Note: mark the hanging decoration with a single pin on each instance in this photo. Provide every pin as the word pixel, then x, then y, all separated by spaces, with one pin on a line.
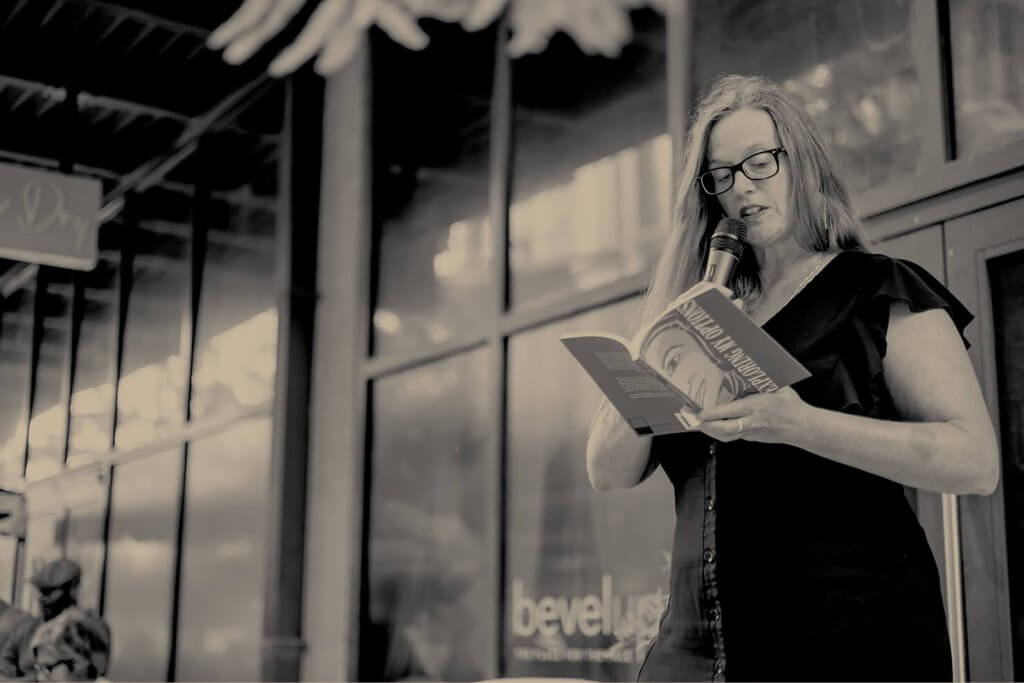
pixel 335 29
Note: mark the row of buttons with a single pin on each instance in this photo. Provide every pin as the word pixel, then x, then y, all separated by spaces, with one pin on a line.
pixel 715 613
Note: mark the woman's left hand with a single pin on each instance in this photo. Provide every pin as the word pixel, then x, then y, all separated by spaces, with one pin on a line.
pixel 770 418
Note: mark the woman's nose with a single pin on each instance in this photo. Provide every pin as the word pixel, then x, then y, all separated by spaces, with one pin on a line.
pixel 741 184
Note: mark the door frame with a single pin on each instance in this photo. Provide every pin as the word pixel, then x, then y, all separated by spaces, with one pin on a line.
pixel 971 241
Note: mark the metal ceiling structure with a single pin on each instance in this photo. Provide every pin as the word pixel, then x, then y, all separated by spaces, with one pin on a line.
pixel 122 92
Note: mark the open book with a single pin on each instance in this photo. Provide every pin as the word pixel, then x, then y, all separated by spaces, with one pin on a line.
pixel 701 352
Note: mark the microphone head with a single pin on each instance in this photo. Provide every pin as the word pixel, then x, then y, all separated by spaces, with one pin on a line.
pixel 730 235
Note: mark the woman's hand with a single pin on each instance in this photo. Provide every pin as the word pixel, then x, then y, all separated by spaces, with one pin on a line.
pixel 770 418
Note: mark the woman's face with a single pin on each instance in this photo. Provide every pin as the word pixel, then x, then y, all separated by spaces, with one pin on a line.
pixel 762 204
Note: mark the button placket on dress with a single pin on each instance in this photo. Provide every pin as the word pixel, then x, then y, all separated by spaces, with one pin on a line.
pixel 710 564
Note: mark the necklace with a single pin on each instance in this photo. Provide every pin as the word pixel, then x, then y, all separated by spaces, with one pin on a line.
pixel 822 262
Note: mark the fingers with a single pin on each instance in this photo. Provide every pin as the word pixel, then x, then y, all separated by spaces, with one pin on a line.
pixel 400 25
pixel 724 430
pixel 483 14
pixel 246 45
pixel 317 34
pixel 244 19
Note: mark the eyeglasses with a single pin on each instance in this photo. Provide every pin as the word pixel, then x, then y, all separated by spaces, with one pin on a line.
pixel 758 166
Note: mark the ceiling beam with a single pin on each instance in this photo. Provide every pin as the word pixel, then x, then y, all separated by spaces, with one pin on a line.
pixel 121 12
pixel 88 99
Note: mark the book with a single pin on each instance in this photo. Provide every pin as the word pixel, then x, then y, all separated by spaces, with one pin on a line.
pixel 701 352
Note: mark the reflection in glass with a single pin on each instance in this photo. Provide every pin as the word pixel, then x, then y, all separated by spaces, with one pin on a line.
pixel 852 64
pixel 432 526
pixel 604 554
pixel 236 329
pixel 84 494
pixel 8 557
pixel 92 401
pixel 15 362
pixel 151 388
pixel 1006 275
pixel 220 631
pixel 437 247
pixel 140 565
pixel 46 428
pixel 988 82
pixel 43 539
pixel 592 186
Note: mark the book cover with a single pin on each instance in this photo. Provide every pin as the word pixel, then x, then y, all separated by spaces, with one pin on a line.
pixel 701 352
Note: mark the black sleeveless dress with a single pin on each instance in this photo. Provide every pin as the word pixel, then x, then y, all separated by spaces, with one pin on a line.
pixel 787 565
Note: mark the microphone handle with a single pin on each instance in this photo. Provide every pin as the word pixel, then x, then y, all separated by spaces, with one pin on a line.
pixel 721 265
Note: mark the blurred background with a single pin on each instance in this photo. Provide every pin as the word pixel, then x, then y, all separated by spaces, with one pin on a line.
pixel 308 418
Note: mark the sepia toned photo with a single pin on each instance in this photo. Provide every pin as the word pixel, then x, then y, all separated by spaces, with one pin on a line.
pixel 482 340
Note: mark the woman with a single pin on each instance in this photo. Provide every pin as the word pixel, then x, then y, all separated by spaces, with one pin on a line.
pixel 796 554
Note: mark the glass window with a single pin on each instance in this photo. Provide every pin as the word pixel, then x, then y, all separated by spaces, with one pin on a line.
pixel 46 429
pixel 140 565
pixel 44 536
pixel 592 164
pixel 988 83
pixel 151 396
pixel 432 575
pixel 1006 273
pixel 8 564
pixel 852 65
pixel 430 183
pixel 223 556
pixel 92 401
pixel 84 493
pixel 15 361
pixel 586 583
pixel 236 329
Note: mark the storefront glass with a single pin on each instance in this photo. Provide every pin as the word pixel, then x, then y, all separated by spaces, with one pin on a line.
pixel 432 573
pixel 140 565
pixel 431 140
pixel 1006 275
pixel 92 400
pixel 46 428
pixel 854 65
pixel 587 570
pixel 15 366
pixel 8 552
pixel 85 496
pixel 592 164
pixel 151 389
pixel 223 554
pixel 988 82
pixel 236 328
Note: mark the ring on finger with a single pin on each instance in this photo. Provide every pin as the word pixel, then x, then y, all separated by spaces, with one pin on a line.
pixel 739 425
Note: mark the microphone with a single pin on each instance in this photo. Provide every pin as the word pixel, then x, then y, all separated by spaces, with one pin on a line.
pixel 727 247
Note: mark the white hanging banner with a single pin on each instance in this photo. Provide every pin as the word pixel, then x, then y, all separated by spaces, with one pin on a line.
pixel 48 217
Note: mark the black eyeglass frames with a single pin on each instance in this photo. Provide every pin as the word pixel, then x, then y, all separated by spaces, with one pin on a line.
pixel 758 166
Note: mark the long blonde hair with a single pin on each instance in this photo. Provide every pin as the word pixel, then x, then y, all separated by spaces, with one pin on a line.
pixel 823 217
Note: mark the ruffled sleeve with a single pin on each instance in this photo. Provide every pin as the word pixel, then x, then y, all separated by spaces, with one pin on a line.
pixel 857 383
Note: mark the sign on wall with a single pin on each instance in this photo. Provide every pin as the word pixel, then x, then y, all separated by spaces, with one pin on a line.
pixel 48 217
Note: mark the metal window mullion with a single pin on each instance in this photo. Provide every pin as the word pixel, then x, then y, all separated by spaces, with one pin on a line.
pixel 929 41
pixel 299 165
pixel 196 258
pixel 120 322
pixel 501 160
pixel 74 322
